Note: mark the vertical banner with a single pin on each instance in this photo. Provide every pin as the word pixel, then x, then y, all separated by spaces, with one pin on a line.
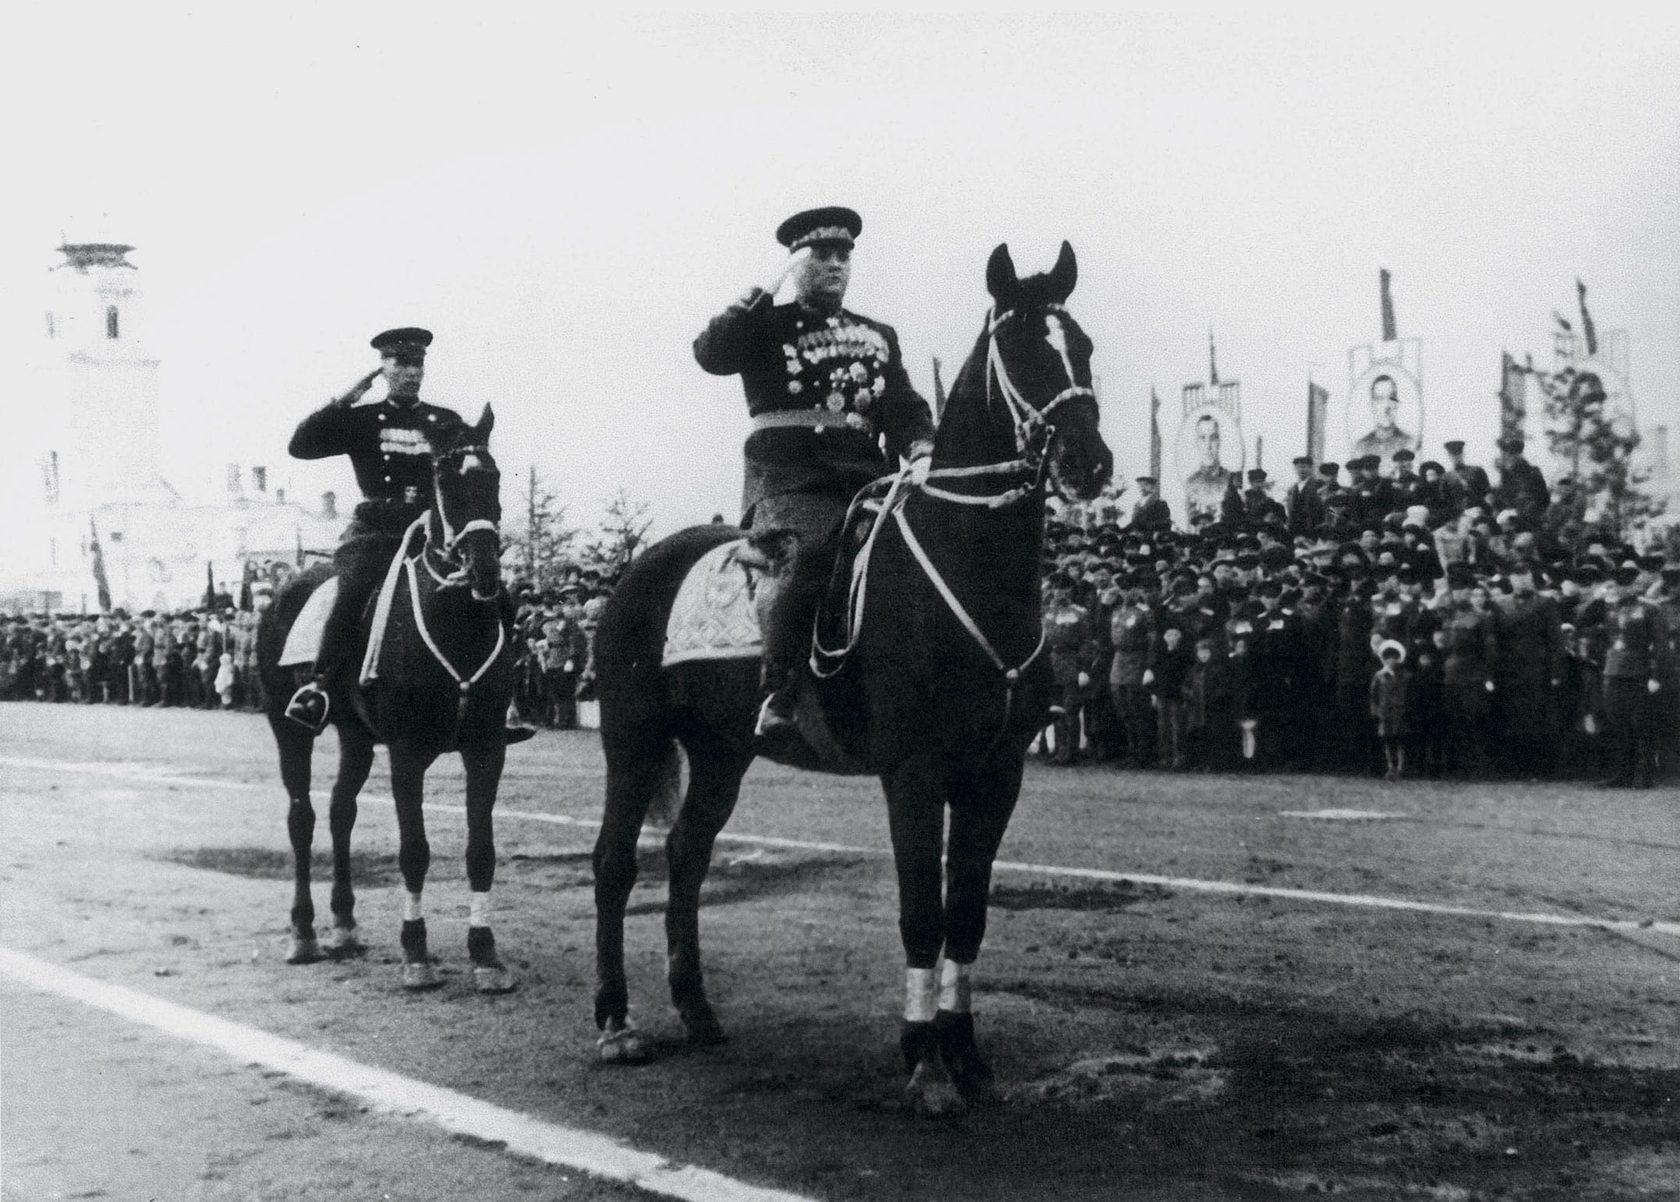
pixel 1388 326
pixel 1154 433
pixel 1513 397
pixel 1318 413
pixel 102 583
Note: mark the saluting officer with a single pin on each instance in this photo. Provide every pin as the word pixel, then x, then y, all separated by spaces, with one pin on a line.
pixel 825 387
pixel 389 445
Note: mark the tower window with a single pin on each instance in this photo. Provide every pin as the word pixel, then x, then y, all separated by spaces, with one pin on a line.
pixel 111 321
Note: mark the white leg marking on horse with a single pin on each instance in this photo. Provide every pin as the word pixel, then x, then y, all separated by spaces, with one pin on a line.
pixel 479 913
pixel 921 995
pixel 405 1098
pixel 954 992
pixel 411 907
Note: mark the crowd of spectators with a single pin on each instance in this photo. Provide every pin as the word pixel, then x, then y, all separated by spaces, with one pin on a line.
pixel 1446 622
pixel 202 659
pixel 1441 622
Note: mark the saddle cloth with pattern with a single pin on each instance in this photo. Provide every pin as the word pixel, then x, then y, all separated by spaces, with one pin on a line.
pixel 715 615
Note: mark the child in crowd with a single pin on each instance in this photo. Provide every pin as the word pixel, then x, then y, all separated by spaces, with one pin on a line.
pixel 1388 706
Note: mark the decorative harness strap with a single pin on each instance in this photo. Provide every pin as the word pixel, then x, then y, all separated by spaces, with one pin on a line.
pixel 404 563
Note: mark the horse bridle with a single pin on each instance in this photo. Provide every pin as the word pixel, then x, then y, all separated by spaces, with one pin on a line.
pixel 1034 427
pixel 449 550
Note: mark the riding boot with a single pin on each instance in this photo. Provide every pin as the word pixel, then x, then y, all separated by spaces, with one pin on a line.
pixel 514 727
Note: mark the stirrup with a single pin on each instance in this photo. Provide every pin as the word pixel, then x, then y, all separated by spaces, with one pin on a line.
pixel 773 718
pixel 310 707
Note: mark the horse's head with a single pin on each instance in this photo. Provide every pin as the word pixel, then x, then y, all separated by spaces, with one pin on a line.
pixel 467 507
pixel 1040 360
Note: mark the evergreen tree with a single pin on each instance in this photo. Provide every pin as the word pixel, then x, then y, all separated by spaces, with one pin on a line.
pixel 1598 445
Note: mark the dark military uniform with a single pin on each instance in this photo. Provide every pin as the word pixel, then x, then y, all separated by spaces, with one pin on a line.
pixel 1632 662
pixel 825 391
pixel 390 448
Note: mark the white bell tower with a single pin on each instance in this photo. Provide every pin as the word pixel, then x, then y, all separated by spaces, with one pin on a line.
pixel 100 385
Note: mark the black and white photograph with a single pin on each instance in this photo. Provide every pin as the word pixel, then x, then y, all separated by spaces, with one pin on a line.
pixel 787 606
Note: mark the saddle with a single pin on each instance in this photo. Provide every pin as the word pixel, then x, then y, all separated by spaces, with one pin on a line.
pixel 303 640
pixel 716 617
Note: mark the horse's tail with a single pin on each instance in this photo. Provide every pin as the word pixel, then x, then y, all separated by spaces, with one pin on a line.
pixel 668 788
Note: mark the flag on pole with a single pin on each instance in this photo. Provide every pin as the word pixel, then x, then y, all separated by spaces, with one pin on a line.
pixel 1213 363
pixel 1388 327
pixel 299 530
pixel 938 391
pixel 1154 433
pixel 1587 330
pixel 1318 413
pixel 101 582
pixel 209 585
pixel 1513 397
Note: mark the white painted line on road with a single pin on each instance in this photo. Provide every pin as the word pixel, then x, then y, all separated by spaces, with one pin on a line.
pixel 1188 884
pixel 392 1093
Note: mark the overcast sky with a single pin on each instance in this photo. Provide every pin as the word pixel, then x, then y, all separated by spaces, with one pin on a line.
pixel 565 199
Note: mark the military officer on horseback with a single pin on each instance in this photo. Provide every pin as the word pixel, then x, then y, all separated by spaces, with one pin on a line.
pixel 832 409
pixel 390 446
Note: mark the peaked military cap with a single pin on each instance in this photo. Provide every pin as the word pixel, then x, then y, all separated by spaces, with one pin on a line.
pixel 1423 468
pixel 1329 469
pixel 1511 444
pixel 1306 459
pixel 1147 480
pixel 1404 455
pixel 830 224
pixel 1256 475
pixel 403 340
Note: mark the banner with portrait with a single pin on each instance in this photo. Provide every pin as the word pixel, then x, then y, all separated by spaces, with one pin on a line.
pixel 1384 409
pixel 1208 449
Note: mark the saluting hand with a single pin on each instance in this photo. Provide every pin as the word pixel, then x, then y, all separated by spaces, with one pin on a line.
pixel 788 267
pixel 359 389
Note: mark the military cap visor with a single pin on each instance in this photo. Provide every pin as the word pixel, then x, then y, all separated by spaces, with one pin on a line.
pixel 1456 444
pixel 406 340
pixel 831 225
pixel 1512 445
pixel 1404 456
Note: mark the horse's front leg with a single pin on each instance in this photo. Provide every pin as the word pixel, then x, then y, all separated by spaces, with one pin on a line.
pixel 295 746
pixel 981 806
pixel 483 763
pixel 916 820
pixel 355 761
pixel 414 857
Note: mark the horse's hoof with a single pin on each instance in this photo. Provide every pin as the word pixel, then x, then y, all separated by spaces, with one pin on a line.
pixel 303 948
pixel 493 978
pixel 931 1094
pixel 420 974
pixel 702 1026
pixel 622 1044
pixel 341 942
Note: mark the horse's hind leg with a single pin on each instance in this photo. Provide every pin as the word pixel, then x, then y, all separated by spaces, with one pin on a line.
pixel 635 766
pixel 483 762
pixel 714 784
pixel 414 858
pixel 355 761
pixel 295 746
pixel 980 811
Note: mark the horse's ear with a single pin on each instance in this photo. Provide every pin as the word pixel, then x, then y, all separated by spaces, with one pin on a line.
pixel 486 423
pixel 1001 279
pixel 1064 275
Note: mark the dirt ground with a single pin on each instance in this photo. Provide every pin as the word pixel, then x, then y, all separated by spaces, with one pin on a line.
pixel 1152 1041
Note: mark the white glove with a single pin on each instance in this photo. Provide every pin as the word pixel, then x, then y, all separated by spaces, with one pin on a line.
pixel 919 469
pixel 1085 680
pixel 1148 676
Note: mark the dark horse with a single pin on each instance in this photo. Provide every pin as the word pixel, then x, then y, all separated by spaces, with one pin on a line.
pixel 444 679
pixel 936 682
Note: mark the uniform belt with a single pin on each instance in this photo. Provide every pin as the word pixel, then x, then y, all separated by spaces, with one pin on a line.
pixel 812 419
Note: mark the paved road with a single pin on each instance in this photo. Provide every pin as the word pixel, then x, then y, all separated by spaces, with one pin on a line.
pixel 1155 1040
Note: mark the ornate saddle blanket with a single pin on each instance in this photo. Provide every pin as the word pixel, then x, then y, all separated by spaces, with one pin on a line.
pixel 715 615
pixel 303 640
